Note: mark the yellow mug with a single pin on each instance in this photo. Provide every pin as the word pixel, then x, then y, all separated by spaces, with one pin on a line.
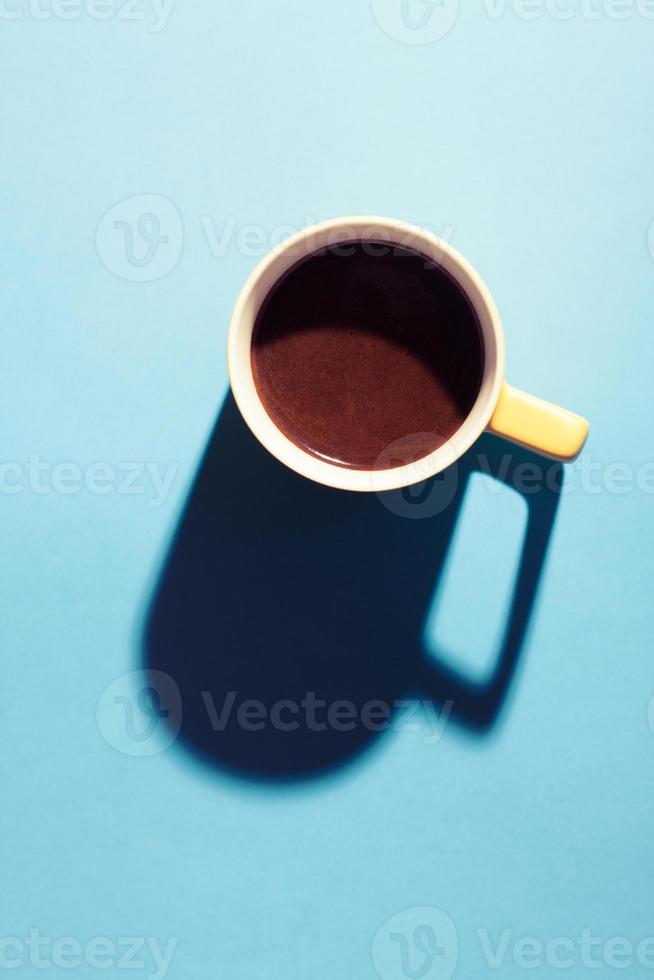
pixel 499 408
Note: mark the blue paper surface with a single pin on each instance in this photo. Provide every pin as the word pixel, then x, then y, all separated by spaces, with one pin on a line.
pixel 151 155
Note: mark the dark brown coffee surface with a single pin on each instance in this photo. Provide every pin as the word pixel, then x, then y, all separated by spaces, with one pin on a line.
pixel 365 347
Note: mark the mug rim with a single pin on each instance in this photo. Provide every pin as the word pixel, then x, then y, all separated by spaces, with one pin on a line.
pixel 343 231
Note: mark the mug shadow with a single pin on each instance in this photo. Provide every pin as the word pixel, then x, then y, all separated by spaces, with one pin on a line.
pixel 304 600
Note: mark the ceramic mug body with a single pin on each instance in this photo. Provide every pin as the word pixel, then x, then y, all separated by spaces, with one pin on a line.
pixel 507 411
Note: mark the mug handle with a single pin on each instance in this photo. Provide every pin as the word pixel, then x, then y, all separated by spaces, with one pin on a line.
pixel 538 425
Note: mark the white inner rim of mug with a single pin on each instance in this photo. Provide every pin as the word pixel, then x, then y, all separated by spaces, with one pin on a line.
pixel 343 231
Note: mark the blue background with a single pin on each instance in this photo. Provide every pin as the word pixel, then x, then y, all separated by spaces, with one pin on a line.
pixel 529 144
